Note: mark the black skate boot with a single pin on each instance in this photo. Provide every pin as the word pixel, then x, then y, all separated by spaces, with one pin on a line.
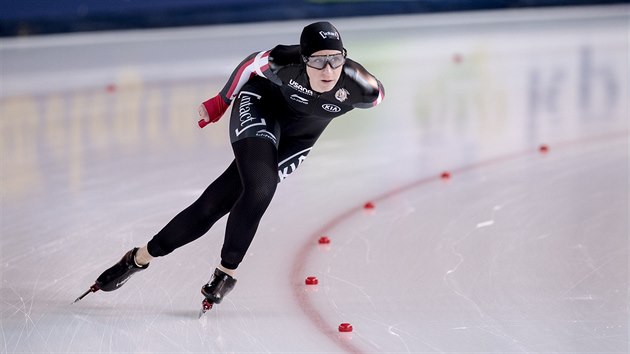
pixel 217 288
pixel 116 276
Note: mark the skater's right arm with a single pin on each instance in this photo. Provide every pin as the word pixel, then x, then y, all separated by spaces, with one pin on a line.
pixel 265 64
pixel 213 109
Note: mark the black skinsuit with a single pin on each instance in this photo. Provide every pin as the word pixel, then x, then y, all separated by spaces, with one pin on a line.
pixel 273 102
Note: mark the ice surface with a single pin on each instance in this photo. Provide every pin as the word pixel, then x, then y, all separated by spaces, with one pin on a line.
pixel 518 252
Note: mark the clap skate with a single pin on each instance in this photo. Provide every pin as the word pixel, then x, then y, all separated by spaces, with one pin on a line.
pixel 217 288
pixel 117 275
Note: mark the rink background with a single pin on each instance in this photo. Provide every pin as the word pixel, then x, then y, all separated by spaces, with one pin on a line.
pixel 527 253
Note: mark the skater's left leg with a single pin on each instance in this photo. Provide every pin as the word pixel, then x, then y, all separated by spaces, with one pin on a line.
pixel 260 171
pixel 257 162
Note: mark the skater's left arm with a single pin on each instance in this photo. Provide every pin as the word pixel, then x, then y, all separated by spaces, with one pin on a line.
pixel 372 88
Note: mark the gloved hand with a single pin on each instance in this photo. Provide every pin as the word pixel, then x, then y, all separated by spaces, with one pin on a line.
pixel 212 110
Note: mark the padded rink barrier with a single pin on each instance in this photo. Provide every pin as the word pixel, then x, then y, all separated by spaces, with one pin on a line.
pixel 27 18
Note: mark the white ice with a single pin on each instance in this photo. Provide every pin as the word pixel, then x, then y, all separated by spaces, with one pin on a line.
pixel 518 252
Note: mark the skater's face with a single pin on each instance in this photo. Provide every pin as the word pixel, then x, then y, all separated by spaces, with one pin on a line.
pixel 323 80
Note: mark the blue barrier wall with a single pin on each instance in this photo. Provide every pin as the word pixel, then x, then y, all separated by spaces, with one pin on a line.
pixel 27 17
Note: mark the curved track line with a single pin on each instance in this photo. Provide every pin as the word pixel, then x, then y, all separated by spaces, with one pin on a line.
pixel 299 263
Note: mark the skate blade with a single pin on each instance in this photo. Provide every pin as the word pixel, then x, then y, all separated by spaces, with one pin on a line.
pixel 205 307
pixel 94 288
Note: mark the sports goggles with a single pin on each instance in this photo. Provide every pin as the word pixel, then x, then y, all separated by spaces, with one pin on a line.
pixel 319 61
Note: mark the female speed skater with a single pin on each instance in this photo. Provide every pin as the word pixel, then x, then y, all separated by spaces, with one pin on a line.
pixel 283 99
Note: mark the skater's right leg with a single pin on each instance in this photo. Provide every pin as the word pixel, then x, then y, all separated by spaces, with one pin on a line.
pixel 118 274
pixel 194 221
pixel 143 256
pixel 187 226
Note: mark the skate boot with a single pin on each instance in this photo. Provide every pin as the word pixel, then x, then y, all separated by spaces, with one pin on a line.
pixel 217 288
pixel 116 276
